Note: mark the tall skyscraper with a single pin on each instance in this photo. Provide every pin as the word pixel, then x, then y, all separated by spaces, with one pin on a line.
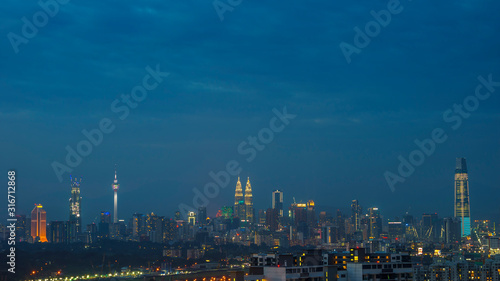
pixel 75 219
pixel 91 233
pixel 39 224
pixel 154 228
pixel 262 217
pixel 248 203
pixel 462 207
pixel 104 223
pixel 375 223
pixel 272 219
pixel 169 229
pixel 239 203
pixel 243 204
pixel 311 214
pixel 202 215
pixel 355 215
pixel 431 227
pixel 115 187
pixel 452 230
pixel 138 225
pixel 192 218
pixel 58 231
pixel 277 202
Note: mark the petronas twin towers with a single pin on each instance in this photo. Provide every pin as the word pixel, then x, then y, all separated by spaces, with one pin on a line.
pixel 243 205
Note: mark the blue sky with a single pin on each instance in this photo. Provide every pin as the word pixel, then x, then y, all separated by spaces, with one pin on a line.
pixel 353 119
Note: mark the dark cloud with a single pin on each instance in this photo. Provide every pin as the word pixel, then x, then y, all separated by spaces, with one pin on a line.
pixel 353 120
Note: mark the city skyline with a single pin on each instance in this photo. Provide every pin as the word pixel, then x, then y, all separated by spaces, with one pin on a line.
pixel 364 231
pixel 248 140
pixel 486 211
pixel 243 202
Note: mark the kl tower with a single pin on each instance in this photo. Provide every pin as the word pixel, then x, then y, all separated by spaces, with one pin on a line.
pixel 115 187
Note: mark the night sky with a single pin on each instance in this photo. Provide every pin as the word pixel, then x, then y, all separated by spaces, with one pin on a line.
pixel 352 120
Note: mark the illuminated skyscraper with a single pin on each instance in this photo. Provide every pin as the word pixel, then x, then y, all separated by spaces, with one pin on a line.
pixel 239 203
pixel 138 225
pixel 75 219
pixel 154 227
pixel 375 222
pixel 355 215
pixel 311 214
pixel 192 218
pixel 462 207
pixel 248 203
pixel 115 187
pixel 39 224
pixel 169 229
pixel 277 202
pixel 243 205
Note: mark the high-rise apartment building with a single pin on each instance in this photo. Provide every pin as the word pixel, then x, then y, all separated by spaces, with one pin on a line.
pixel 154 228
pixel 138 225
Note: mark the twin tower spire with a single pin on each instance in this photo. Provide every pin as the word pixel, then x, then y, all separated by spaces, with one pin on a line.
pixel 243 205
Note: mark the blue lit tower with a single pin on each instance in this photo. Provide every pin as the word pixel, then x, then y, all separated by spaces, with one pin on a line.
pixel 462 207
pixel 115 187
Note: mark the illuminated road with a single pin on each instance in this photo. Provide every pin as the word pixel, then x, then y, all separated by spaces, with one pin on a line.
pixel 117 276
